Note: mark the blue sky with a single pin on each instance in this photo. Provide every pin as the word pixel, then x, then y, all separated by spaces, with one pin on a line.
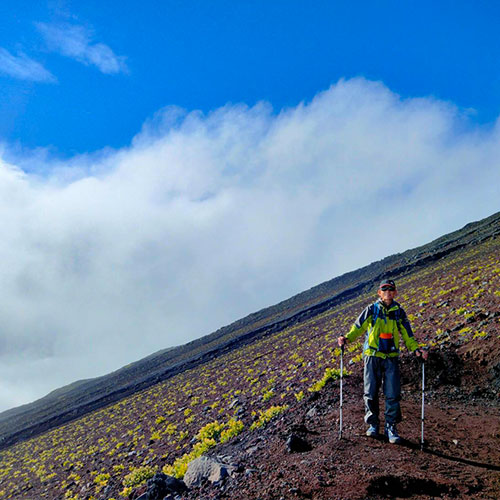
pixel 167 168
pixel 200 55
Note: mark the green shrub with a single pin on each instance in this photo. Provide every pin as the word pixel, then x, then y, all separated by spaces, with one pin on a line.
pixel 268 395
pixel 208 437
pixel 138 476
pixel 299 396
pixel 330 374
pixel 102 479
pixel 268 415
pixel 233 428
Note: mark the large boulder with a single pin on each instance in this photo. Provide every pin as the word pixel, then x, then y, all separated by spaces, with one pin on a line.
pixel 204 469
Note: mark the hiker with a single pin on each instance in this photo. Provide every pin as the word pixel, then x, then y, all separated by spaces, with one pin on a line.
pixel 384 322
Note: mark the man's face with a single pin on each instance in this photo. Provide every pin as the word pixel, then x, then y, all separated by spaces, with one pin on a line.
pixel 387 294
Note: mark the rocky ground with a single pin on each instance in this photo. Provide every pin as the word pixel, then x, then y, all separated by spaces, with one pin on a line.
pixel 460 459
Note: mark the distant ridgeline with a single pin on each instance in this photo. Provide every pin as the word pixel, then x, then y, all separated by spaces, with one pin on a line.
pixel 82 397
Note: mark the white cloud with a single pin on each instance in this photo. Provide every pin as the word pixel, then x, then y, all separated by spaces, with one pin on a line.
pixel 204 219
pixel 76 42
pixel 22 67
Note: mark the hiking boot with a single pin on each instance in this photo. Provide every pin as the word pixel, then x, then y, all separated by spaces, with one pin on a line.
pixel 392 434
pixel 372 431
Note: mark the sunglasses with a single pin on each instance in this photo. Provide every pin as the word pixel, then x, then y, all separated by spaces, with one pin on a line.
pixel 387 288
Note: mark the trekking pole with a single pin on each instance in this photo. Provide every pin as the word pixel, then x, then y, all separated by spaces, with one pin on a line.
pixel 423 405
pixel 341 386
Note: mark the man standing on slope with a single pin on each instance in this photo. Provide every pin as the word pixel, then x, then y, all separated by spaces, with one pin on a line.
pixel 385 323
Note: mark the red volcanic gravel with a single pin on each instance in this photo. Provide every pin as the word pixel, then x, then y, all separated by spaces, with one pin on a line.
pixel 461 457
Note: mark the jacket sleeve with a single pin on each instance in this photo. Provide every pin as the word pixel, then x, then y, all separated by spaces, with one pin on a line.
pixel 406 332
pixel 361 324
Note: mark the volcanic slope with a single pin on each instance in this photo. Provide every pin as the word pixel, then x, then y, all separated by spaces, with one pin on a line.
pixel 244 404
pixel 82 397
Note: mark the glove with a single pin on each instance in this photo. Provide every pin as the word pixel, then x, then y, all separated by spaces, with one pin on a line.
pixel 421 354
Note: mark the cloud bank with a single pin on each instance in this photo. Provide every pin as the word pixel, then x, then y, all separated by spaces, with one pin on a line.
pixel 109 257
pixel 75 42
pixel 23 68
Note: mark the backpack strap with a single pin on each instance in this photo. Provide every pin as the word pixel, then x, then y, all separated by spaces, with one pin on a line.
pixel 398 318
pixel 376 312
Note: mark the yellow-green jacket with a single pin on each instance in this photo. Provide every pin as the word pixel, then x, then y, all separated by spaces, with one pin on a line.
pixel 384 328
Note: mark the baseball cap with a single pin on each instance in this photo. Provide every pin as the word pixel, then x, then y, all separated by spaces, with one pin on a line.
pixel 387 283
